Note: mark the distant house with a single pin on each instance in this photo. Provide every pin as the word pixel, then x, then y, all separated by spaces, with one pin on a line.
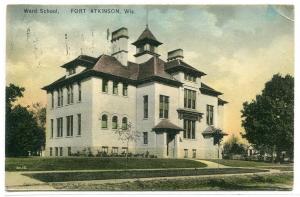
pixel 166 102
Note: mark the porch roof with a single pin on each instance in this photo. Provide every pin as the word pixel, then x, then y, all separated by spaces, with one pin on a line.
pixel 213 130
pixel 166 125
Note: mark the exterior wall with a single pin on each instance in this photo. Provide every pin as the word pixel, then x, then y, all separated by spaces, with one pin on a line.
pixel 146 124
pixel 143 58
pixel 111 105
pixel 221 116
pixel 95 103
pixel 84 108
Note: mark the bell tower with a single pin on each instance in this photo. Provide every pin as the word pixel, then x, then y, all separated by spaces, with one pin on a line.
pixel 146 46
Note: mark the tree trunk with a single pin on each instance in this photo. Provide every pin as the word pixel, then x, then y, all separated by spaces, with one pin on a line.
pixel 273 152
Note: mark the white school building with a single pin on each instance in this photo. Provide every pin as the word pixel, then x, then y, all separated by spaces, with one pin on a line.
pixel 173 112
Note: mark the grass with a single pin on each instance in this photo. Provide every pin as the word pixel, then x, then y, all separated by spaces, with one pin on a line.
pixel 104 175
pixel 242 163
pixel 93 163
pixel 270 182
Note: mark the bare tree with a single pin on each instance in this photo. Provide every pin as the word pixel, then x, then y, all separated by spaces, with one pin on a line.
pixel 127 134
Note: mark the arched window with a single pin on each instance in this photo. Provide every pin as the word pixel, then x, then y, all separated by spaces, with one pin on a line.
pixel 114 122
pixel 104 121
pixel 124 123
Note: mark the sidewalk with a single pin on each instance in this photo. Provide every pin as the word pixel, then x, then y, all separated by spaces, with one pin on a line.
pixel 211 164
pixel 15 181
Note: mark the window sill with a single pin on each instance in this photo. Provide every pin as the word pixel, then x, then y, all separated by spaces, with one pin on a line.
pixel 68 136
pixel 58 137
pixel 78 135
pixel 145 118
pixel 187 139
pixel 104 92
pixel 104 128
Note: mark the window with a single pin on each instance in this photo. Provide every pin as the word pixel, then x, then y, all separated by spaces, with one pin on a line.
pixel 56 151
pixel 145 137
pixel 60 151
pixel 60 97
pixel 124 150
pixel 71 71
pixel 105 149
pixel 104 121
pixel 115 87
pixel 189 99
pixel 115 122
pixel 194 153
pixel 78 124
pixel 51 151
pixel 59 132
pixel 189 129
pixel 125 89
pixel 79 92
pixel 163 106
pixel 189 77
pixel 52 100
pixel 186 153
pixel 124 123
pixel 69 125
pixel 51 128
pixel 115 150
pixel 146 106
pixel 104 85
pixel 209 114
pixel 69 151
pixel 70 94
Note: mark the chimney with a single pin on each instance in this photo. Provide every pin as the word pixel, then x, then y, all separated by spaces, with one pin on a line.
pixel 175 54
pixel 119 45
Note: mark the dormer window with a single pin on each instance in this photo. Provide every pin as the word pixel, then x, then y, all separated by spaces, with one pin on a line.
pixel 189 77
pixel 71 71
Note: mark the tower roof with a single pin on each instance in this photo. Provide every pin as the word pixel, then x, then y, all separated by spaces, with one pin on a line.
pixel 147 37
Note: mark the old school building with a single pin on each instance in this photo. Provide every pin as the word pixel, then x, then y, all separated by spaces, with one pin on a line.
pixel 165 101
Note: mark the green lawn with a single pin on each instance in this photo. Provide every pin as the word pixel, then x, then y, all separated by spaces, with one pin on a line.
pixel 242 163
pixel 93 163
pixel 271 182
pixel 104 175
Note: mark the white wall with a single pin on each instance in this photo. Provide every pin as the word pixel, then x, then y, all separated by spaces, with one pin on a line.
pixel 110 104
pixel 84 108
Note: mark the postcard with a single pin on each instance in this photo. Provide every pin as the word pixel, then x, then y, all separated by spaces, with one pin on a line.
pixel 149 98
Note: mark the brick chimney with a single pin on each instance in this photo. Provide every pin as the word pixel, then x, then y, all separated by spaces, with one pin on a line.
pixel 175 54
pixel 119 45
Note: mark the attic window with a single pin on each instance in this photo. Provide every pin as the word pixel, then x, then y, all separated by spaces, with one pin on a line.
pixel 71 71
pixel 189 77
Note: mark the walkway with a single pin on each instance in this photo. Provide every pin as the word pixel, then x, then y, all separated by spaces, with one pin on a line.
pixel 211 164
pixel 15 181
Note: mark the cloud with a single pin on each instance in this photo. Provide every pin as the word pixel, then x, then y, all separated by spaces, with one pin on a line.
pixel 238 47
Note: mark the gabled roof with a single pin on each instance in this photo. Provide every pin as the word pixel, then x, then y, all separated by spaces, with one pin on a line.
pixel 205 89
pixel 179 65
pixel 166 125
pixel 146 37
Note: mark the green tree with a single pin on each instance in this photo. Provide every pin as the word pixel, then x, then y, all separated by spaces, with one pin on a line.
pixel 269 119
pixel 233 146
pixel 23 134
